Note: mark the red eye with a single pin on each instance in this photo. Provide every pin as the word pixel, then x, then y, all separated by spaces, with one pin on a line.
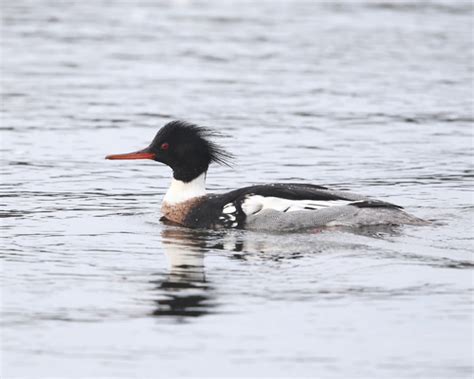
pixel 164 146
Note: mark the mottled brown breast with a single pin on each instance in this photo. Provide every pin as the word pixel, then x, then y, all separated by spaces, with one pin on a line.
pixel 177 212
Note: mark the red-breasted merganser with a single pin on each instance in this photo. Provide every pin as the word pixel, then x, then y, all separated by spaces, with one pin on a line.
pixel 189 150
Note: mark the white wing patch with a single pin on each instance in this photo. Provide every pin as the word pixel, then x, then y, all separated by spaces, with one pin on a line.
pixel 229 215
pixel 229 208
pixel 256 203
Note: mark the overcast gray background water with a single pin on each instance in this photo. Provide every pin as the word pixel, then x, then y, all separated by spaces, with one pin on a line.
pixel 368 96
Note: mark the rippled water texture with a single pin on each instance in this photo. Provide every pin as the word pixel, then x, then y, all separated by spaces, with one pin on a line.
pixel 368 96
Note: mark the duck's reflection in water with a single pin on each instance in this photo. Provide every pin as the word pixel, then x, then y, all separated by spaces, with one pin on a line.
pixel 184 291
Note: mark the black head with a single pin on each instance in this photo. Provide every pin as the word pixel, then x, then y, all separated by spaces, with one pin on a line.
pixel 184 147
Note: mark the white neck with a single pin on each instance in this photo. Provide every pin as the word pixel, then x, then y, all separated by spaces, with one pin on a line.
pixel 180 191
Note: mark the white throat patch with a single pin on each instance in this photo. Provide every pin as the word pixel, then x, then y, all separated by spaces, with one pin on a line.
pixel 180 191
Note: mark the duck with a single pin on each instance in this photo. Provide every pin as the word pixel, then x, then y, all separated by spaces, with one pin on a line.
pixel 189 150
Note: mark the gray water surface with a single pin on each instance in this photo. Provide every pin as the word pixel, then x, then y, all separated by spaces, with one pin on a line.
pixel 375 97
